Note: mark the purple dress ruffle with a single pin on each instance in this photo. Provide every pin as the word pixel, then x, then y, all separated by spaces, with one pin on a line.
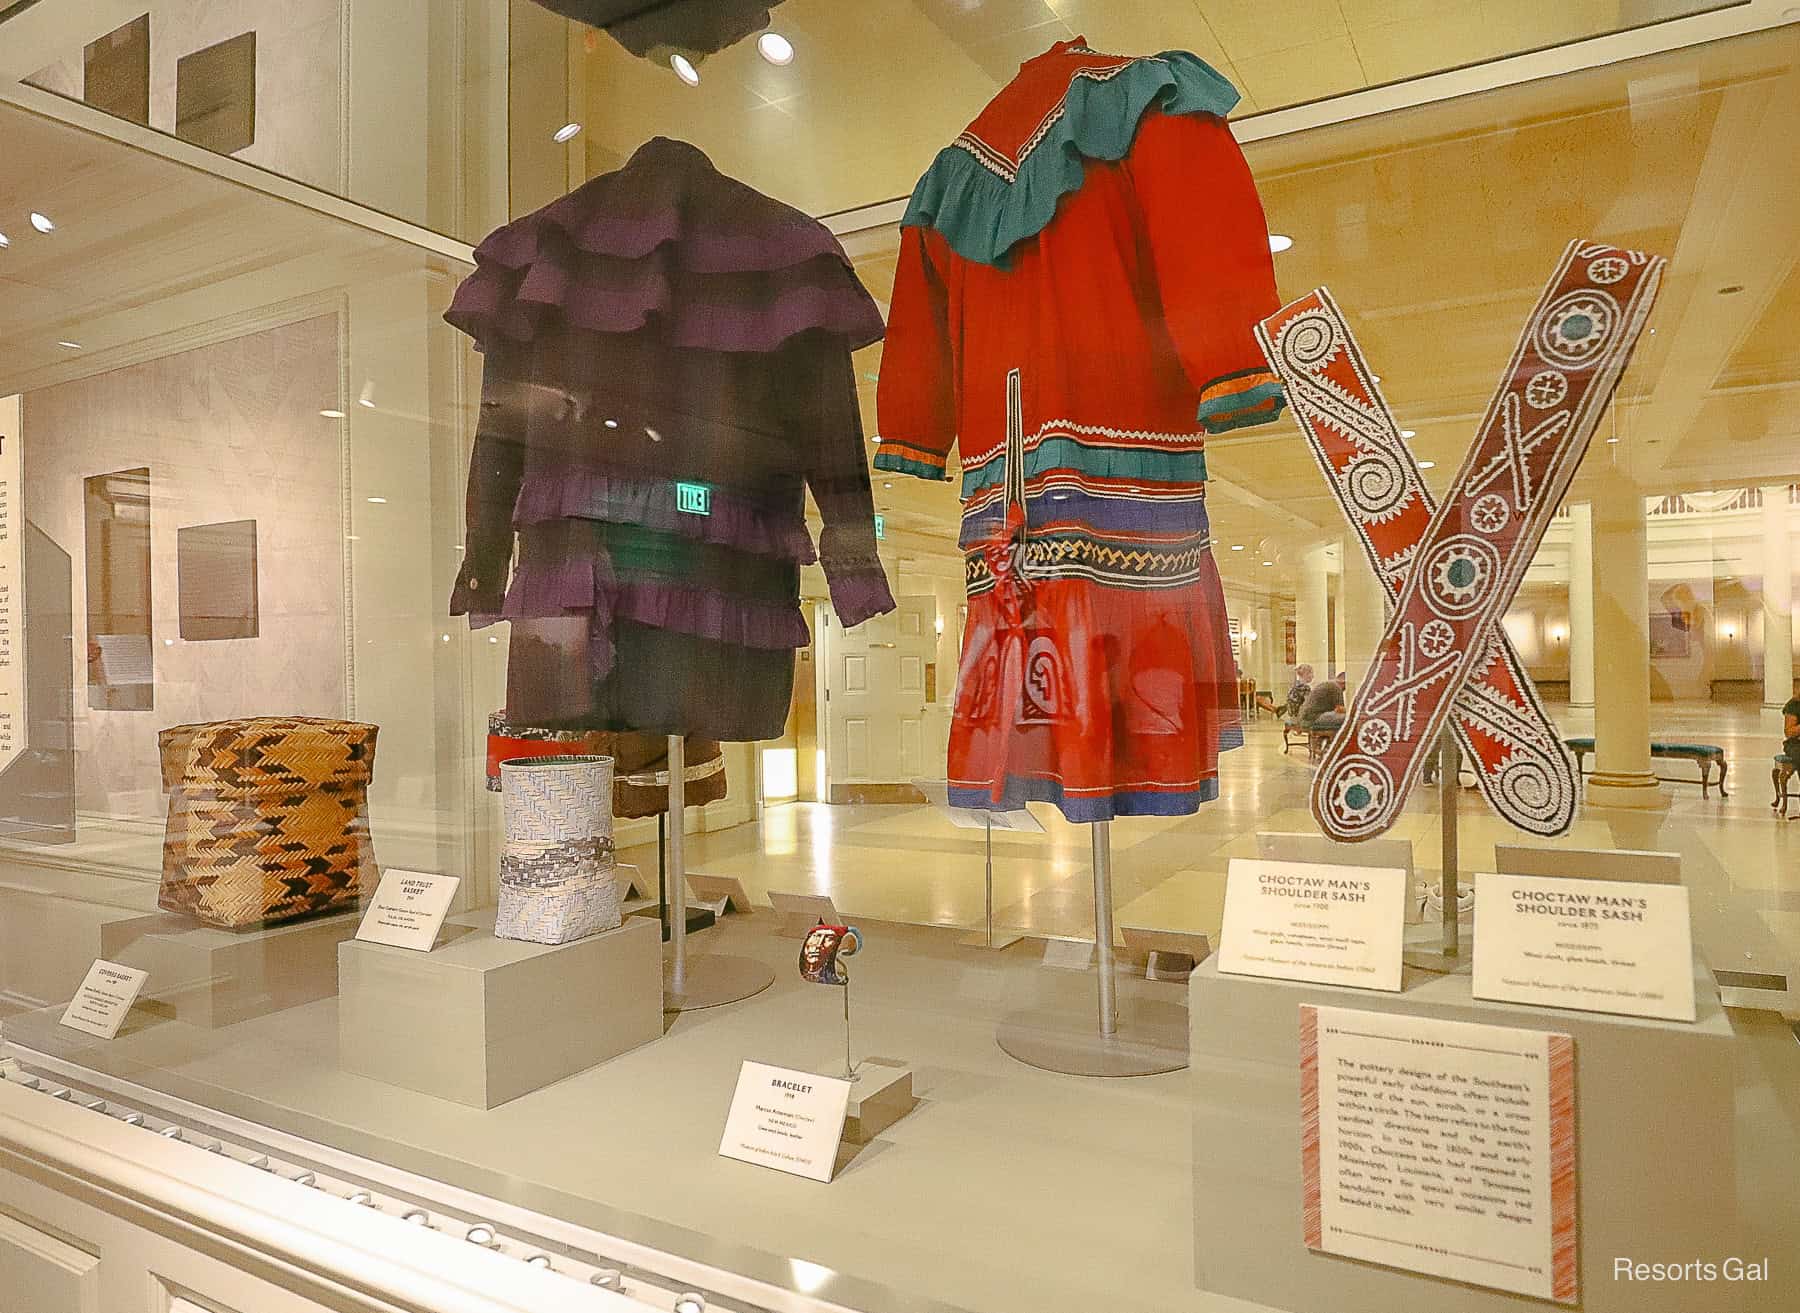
pixel 644 247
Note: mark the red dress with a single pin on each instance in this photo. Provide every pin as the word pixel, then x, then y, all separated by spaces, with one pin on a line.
pixel 1079 276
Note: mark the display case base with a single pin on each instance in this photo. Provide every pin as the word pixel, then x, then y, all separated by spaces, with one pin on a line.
pixel 211 978
pixel 713 980
pixel 1151 1038
pixel 1656 1162
pixel 483 1020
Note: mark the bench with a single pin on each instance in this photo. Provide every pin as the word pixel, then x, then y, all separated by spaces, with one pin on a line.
pixel 1703 755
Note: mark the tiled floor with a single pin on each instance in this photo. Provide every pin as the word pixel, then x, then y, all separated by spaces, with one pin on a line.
pixel 908 863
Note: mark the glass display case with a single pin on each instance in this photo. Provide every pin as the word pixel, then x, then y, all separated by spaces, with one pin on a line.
pixel 770 631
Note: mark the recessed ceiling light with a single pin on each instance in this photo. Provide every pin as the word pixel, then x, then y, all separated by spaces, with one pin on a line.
pixel 1375 378
pixel 1279 242
pixel 1428 465
pixel 775 48
pixel 1237 547
pixel 5 241
pixel 565 133
pixel 1612 442
pixel 684 69
pixel 378 501
pixel 612 423
pixel 1268 563
pixel 1408 433
pixel 73 346
pixel 42 222
pixel 332 414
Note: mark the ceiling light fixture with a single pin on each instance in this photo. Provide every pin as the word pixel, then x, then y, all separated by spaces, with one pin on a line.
pixel 565 133
pixel 378 501
pixel 5 241
pixel 1428 465
pixel 332 414
pixel 1279 242
pixel 1268 563
pixel 775 48
pixel 42 222
pixel 1237 547
pixel 1409 433
pixel 1612 442
pixel 73 346
pixel 366 398
pixel 684 69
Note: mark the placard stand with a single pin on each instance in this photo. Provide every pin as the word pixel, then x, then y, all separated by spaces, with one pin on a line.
pixel 937 792
pixel 714 978
pixel 1141 1038
pixel 1448 956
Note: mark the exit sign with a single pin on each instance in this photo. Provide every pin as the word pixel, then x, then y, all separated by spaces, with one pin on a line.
pixel 693 498
pixel 881 526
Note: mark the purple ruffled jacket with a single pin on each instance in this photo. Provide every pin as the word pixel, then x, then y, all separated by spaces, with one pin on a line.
pixel 663 326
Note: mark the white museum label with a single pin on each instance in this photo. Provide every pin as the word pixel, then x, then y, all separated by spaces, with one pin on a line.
pixel 1440 1147
pixel 1595 945
pixel 789 1120
pixel 1329 925
pixel 408 909
pixel 105 997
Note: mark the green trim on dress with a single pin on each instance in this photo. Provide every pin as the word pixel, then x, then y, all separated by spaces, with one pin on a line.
pixel 982 214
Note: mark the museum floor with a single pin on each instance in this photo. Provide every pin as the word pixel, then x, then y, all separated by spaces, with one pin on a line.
pixel 908 863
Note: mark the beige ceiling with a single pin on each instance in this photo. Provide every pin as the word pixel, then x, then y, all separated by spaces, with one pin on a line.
pixel 1435 227
pixel 144 250
pixel 877 86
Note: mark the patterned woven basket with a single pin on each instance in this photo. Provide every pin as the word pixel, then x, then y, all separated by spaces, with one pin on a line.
pixel 268 818
pixel 557 877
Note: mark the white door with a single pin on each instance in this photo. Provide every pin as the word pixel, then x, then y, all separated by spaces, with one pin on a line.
pixel 875 695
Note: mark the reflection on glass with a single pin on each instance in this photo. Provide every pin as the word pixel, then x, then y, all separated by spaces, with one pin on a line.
pixel 121 669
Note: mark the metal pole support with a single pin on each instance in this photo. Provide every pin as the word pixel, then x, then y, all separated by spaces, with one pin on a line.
pixel 1103 928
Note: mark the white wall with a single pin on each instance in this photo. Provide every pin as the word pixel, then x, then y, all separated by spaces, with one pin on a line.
pixel 299 76
pixel 230 431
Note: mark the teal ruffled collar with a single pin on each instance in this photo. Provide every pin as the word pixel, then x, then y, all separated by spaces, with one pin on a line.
pixel 982 215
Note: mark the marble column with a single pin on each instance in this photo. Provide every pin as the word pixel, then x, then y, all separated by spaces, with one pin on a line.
pixel 1267 648
pixel 1622 776
pixel 1312 615
pixel 1581 606
pixel 1363 604
pixel 1777 598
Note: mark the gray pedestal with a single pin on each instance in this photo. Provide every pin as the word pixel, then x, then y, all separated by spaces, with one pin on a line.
pixel 1656 1171
pixel 483 1020
pixel 880 1096
pixel 211 978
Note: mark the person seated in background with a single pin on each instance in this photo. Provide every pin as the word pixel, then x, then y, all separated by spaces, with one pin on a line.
pixel 1297 693
pixel 1790 733
pixel 1324 709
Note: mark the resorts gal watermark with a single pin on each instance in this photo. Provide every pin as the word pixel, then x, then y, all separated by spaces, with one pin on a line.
pixel 1734 1268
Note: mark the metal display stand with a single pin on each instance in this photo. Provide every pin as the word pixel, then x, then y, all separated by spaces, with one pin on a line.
pixel 1448 956
pixel 712 979
pixel 1139 1037
pixel 937 792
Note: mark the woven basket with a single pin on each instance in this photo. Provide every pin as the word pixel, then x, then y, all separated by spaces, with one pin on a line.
pixel 268 818
pixel 557 877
